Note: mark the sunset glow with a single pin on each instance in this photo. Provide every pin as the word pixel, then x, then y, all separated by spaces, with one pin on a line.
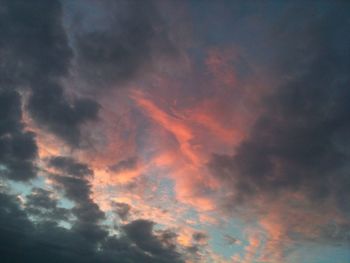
pixel 135 131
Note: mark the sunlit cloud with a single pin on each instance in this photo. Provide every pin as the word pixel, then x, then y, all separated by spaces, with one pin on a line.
pixel 170 132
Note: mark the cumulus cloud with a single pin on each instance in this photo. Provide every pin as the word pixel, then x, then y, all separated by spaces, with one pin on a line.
pixel 47 241
pixel 41 204
pixel 77 188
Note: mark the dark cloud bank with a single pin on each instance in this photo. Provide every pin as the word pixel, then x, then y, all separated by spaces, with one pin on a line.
pixel 23 241
pixel 36 58
pixel 87 240
pixel 300 143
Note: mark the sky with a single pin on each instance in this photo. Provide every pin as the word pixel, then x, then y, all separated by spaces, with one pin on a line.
pixel 174 131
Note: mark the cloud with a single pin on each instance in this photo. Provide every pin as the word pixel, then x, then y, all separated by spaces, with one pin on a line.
pixel 140 232
pixel 75 185
pixel 40 204
pixel 49 106
pixel 46 241
pixel 18 148
pixel 129 38
pixel 230 240
pixel 69 166
pixel 298 145
pixel 77 188
pixel 89 217
pixel 36 59
pixel 40 57
pixel 124 165
pixel 122 210
pixel 250 125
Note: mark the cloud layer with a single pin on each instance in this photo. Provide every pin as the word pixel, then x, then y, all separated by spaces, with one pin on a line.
pixel 160 131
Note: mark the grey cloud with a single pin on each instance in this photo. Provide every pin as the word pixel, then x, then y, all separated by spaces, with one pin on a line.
pixel 18 148
pixel 300 141
pixel 78 189
pixel 36 56
pixel 11 113
pixel 141 233
pixel 123 165
pixel 89 216
pixel 49 106
pixel 70 166
pixel 24 241
pixel 133 34
pixel 122 209
pixel 41 205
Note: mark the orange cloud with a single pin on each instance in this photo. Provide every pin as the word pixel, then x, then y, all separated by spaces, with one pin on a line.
pixel 185 161
pixel 252 249
pixel 173 124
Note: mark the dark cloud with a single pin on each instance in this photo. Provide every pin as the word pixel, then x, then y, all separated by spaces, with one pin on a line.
pixel 14 229
pixel 79 191
pixel 70 166
pixel 18 149
pixel 36 56
pixel 34 46
pixel 89 216
pixel 49 106
pixel 86 211
pixel 41 198
pixel 133 33
pixel 86 240
pixel 24 241
pixel 11 113
pixel 40 204
pixel 300 142
pixel 76 187
pixel 141 233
